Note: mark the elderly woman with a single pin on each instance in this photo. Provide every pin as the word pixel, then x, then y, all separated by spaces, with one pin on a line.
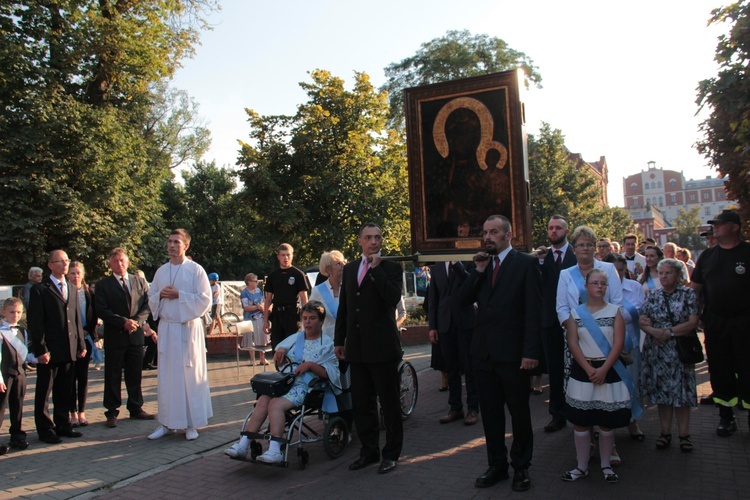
pixel 571 289
pixel 312 353
pixel 684 255
pixel 632 300
pixel 76 276
pixel 252 310
pixel 665 381
pixel 332 266
pixel 650 277
pixel 597 391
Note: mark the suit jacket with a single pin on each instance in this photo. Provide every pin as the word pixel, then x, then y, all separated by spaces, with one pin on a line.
pixel 366 321
pixel 509 313
pixel 114 309
pixel 54 324
pixel 550 276
pixel 444 305
pixel 11 363
pixel 91 318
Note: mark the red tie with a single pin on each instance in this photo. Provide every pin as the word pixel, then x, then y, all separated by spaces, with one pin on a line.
pixel 558 260
pixel 495 269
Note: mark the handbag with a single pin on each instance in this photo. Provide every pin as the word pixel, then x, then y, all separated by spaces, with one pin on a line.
pixel 272 384
pixel 688 346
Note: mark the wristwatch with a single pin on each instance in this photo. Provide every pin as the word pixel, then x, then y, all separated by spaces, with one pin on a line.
pixel 671 333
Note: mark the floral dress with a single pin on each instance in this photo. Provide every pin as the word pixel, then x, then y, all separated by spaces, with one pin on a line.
pixel 664 379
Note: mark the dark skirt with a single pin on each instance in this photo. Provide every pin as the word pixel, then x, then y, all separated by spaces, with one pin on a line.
pixel 586 404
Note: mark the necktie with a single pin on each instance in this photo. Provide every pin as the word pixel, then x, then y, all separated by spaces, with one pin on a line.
pixel 558 259
pixel 125 287
pixel 495 269
pixel 64 290
pixel 363 272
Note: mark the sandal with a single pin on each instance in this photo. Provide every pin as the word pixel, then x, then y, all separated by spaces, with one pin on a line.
pixel 635 432
pixel 663 441
pixel 609 475
pixel 614 458
pixel 575 474
pixel 686 445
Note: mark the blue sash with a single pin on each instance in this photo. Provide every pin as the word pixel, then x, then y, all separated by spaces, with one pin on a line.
pixel 580 282
pixel 332 308
pixel 633 337
pixel 329 399
pixel 650 282
pixel 17 344
pixel 601 341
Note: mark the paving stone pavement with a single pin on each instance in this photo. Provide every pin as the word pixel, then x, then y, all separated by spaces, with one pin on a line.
pixel 438 461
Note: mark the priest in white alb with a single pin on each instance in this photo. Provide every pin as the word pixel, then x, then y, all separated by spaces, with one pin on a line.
pixel 179 297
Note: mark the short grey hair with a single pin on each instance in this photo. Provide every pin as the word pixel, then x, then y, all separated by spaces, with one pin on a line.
pixel 675 264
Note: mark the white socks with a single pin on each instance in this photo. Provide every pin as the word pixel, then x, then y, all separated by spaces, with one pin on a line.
pixel 274 446
pixel 583 448
pixel 606 444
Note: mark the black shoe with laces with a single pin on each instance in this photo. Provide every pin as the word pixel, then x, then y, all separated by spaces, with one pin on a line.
pixel 726 427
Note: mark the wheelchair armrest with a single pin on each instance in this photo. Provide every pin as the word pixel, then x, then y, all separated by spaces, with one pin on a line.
pixel 318 384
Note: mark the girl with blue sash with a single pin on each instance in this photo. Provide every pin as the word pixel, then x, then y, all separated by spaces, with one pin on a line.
pixel 332 266
pixel 252 310
pixel 650 277
pixel 312 353
pixel 599 387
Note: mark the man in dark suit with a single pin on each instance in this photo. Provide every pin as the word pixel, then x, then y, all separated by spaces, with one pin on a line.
pixel 451 326
pixel 367 337
pixel 122 304
pixel 56 340
pixel 558 256
pixel 506 345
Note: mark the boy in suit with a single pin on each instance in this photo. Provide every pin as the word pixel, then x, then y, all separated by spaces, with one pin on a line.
pixel 12 375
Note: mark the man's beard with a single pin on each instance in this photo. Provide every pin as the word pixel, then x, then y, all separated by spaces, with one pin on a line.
pixel 491 249
pixel 558 241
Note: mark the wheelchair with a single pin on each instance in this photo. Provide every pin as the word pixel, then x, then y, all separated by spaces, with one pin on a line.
pixel 299 432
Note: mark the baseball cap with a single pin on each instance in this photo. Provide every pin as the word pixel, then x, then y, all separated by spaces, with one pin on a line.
pixel 213 277
pixel 708 231
pixel 727 216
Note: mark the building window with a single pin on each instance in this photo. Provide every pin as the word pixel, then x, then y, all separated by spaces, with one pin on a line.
pixel 658 184
pixel 661 201
pixel 708 211
pixel 653 200
pixel 673 198
pixel 672 182
pixel 706 196
pixel 692 196
pixel 634 186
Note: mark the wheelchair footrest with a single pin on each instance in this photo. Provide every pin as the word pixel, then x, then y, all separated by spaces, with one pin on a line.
pixel 264 437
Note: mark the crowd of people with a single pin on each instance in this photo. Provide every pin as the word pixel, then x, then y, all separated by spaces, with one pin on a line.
pixel 611 326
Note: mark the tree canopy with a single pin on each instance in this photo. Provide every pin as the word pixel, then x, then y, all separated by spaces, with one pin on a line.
pixel 458 54
pixel 726 142
pixel 313 178
pixel 89 129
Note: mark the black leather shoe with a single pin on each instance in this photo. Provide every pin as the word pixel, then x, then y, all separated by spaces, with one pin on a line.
pixel 50 439
pixel 554 425
pixel 18 444
pixel 521 481
pixel 3 449
pixel 386 466
pixel 68 433
pixel 362 462
pixel 726 427
pixel 494 474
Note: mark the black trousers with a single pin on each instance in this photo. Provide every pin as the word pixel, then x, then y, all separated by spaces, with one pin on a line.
pixel 130 360
pixel 12 398
pixel 55 378
pixel 370 382
pixel 553 343
pixel 283 324
pixel 500 385
pixel 728 352
pixel 455 344
pixel 81 379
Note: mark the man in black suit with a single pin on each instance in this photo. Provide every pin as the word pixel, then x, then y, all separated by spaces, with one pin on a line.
pixel 553 259
pixel 367 337
pixel 451 325
pixel 122 304
pixel 56 340
pixel 506 345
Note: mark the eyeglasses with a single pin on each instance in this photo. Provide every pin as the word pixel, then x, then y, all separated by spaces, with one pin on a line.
pixel 66 261
pixel 602 284
pixel 585 245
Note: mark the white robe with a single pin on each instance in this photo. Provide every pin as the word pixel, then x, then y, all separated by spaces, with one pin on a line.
pixel 183 390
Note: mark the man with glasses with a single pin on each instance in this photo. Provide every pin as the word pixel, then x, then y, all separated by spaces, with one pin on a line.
pixel 56 341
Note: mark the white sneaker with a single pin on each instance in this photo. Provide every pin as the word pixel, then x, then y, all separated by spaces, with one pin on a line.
pixel 271 457
pixel 236 451
pixel 191 433
pixel 160 432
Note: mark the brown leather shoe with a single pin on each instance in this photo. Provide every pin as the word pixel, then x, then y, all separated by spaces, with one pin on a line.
pixel 471 418
pixel 111 422
pixel 143 416
pixel 452 416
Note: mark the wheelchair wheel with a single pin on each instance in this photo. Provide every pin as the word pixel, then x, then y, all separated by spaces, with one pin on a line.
pixel 303 458
pixel 229 319
pixel 335 437
pixel 409 388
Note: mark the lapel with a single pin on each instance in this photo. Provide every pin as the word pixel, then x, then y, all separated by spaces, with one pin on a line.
pixel 121 291
pixel 55 289
pixel 569 260
pixel 504 265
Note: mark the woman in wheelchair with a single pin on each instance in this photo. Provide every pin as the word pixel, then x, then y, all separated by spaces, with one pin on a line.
pixel 314 359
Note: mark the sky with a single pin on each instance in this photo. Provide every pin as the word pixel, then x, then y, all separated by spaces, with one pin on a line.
pixel 618 78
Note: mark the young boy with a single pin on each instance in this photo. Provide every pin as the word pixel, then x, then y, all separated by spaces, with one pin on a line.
pixel 12 375
pixel 217 304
